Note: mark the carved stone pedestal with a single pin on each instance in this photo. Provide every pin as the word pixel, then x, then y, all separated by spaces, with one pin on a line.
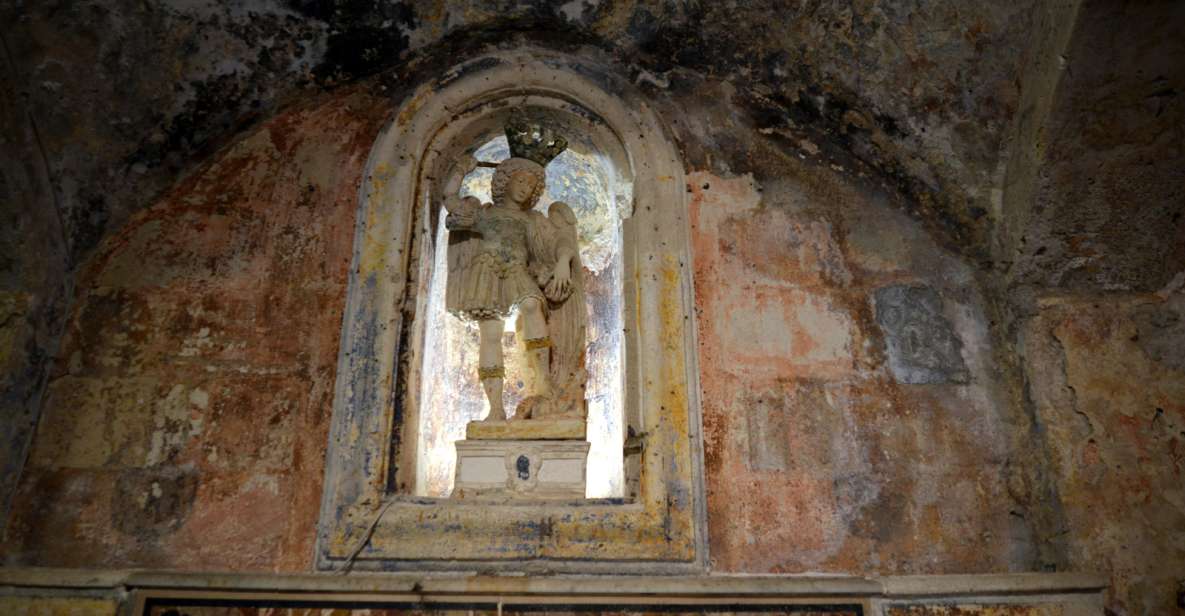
pixel 500 469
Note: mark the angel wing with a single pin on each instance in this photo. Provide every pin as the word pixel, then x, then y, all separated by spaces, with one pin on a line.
pixel 567 317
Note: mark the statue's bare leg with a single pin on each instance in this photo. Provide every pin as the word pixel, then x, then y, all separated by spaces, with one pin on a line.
pixel 538 344
pixel 490 367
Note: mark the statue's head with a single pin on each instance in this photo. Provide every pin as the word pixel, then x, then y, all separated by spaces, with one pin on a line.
pixel 518 182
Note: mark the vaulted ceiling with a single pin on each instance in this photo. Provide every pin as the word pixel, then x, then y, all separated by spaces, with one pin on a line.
pixel 984 115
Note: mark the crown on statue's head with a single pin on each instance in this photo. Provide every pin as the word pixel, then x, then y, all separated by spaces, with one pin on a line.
pixel 532 140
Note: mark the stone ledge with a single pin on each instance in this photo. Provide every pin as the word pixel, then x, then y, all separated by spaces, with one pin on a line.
pixel 599 586
pixel 527 430
pixel 990 584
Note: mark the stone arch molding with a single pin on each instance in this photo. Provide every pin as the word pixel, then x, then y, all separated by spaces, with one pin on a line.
pixel 661 527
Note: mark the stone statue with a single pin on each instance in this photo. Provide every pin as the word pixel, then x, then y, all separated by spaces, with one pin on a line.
pixel 506 255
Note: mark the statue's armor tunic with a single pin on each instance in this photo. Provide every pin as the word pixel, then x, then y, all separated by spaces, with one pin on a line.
pixel 497 278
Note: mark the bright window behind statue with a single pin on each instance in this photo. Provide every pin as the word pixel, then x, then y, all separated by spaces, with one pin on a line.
pixel 451 395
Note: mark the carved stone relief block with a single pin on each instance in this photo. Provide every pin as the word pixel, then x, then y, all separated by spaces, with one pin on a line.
pixel 921 344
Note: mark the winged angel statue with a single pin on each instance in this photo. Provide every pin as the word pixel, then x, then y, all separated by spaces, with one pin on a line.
pixel 506 255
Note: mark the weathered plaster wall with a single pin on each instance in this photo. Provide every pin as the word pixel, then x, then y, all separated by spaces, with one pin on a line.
pixel 1107 381
pixel 854 420
pixel 185 424
pixel 823 453
pixel 102 106
pixel 129 95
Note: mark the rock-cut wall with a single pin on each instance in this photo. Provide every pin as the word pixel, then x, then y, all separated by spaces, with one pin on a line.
pixel 186 421
pixel 853 418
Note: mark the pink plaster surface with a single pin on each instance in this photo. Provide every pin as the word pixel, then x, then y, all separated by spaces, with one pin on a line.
pixel 187 423
pixel 816 459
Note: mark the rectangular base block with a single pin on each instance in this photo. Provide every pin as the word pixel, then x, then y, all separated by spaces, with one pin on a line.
pixel 521 469
pixel 566 428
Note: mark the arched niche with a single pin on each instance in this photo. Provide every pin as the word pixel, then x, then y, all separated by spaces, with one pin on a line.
pixel 658 525
pixel 439 373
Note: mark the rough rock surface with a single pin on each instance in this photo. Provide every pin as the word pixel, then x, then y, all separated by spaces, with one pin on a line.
pixel 1107 212
pixel 923 91
pixel 1112 408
